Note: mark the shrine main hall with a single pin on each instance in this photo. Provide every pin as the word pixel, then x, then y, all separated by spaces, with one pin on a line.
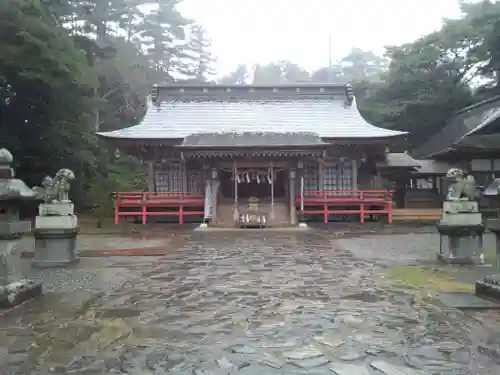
pixel 275 155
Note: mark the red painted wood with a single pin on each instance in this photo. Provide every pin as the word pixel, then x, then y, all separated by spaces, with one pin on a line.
pixel 145 200
pixel 380 202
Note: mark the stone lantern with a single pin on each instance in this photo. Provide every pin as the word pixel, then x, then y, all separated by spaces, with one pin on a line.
pixel 461 226
pixel 12 193
pixel 490 286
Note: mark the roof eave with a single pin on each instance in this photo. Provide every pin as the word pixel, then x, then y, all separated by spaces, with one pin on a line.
pixel 229 147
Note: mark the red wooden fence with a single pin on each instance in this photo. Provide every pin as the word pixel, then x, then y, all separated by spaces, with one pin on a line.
pixel 342 202
pixel 125 201
pixel 345 202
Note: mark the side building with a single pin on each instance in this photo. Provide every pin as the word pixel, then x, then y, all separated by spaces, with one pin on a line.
pixel 470 140
pixel 300 149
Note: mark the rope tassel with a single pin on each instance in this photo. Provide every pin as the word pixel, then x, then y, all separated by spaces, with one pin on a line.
pixel 238 179
pixel 258 178
pixel 247 178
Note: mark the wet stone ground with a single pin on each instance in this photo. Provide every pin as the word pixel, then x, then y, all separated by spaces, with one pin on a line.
pixel 255 303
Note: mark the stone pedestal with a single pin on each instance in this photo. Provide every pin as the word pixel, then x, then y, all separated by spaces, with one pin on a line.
pixel 461 231
pixel 56 229
pixel 17 292
pixel 12 192
pixel 490 286
pixel 493 225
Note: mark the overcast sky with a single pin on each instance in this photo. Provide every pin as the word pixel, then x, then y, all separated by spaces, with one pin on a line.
pixel 260 31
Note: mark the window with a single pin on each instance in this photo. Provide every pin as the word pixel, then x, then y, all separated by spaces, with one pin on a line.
pixel 161 181
pixel 310 176
pixel 194 181
pixel 170 177
pixel 480 165
pixel 338 176
pixel 424 183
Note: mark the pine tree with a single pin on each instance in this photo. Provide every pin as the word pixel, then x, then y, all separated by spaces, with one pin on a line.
pixel 164 35
pixel 198 50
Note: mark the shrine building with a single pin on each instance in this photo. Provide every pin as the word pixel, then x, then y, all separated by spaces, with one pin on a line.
pixel 294 153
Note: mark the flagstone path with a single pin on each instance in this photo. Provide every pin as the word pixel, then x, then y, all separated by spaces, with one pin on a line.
pixel 249 303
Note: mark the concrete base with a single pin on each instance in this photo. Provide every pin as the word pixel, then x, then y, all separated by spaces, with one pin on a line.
pixel 56 209
pixel 459 260
pixel 466 301
pixel 56 222
pixel 489 287
pixel 55 247
pixel 55 264
pixel 461 244
pixel 18 292
pixel 237 229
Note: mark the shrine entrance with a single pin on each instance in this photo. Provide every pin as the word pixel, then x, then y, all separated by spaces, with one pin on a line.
pixel 253 182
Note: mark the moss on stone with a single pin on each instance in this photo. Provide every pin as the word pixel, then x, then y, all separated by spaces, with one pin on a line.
pixel 425 279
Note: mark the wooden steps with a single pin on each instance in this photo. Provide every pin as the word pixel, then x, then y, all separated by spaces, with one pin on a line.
pixel 416 214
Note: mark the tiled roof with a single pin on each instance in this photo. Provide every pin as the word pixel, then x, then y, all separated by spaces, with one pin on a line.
pixel 463 129
pixel 179 119
pixel 400 160
pixel 428 166
pixel 252 139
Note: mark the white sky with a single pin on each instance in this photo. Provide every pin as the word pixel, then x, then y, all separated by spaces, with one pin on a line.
pixel 260 31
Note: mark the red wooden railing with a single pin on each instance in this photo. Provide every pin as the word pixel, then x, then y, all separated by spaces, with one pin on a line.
pixel 142 202
pixel 345 202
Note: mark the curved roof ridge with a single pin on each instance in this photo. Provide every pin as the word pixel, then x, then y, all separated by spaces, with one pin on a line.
pixel 333 118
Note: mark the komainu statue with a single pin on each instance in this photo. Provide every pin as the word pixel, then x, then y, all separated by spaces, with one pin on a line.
pixel 56 190
pixel 463 187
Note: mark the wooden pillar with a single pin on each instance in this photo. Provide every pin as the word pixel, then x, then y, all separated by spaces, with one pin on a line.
pixel 271 172
pixel 293 215
pixel 151 176
pixel 185 176
pixel 235 174
pixel 214 190
pixel 354 174
pixel 321 175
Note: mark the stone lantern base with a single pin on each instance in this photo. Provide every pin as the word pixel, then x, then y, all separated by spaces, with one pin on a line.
pixel 489 287
pixel 461 233
pixel 55 236
pixel 17 292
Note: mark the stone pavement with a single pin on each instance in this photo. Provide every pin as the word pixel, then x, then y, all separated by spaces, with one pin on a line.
pixel 249 303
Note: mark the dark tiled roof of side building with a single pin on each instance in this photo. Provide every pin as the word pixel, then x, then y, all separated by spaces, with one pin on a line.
pixel 464 129
pixel 183 111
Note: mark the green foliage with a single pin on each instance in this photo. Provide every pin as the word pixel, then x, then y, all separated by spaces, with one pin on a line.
pixel 427 280
pixel 44 101
pixel 71 67
pixel 432 78
pixel 125 174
